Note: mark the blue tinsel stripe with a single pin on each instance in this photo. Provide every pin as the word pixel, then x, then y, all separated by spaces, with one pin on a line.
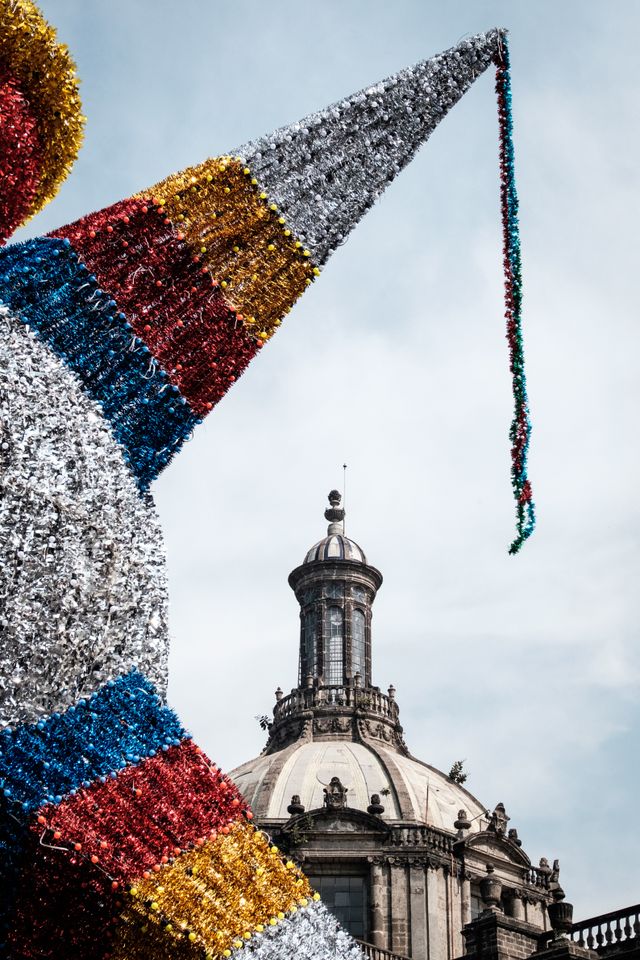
pixel 45 284
pixel 122 723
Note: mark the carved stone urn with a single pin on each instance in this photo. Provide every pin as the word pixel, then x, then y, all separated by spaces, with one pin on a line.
pixel 491 890
pixel 560 917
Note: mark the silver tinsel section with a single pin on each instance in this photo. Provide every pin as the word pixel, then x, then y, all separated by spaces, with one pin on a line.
pixel 82 583
pixel 311 934
pixel 325 171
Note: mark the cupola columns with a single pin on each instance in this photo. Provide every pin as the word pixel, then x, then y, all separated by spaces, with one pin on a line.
pixel 335 587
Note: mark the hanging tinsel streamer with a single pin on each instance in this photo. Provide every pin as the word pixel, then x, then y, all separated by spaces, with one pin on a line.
pixel 520 431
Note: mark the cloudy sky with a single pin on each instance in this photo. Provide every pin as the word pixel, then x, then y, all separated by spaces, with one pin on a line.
pixel 396 363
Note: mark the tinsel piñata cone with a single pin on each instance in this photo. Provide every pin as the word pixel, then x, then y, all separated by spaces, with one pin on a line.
pixel 118 334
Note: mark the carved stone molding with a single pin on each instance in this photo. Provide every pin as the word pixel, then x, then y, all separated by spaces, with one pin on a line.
pixel 283 735
pixel 384 732
pixel 425 863
pixel 325 725
pixel 340 826
pixel 527 898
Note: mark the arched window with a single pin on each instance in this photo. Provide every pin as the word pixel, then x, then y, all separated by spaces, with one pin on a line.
pixel 357 643
pixel 310 664
pixel 333 670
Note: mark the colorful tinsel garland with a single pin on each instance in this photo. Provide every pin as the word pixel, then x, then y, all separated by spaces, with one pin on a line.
pixel 520 431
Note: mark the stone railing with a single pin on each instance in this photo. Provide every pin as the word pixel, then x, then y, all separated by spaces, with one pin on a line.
pixel 421 836
pixel 605 932
pixel 369 700
pixel 608 929
pixel 378 953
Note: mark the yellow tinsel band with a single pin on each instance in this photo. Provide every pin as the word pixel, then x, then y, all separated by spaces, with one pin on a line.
pixel 213 898
pixel 47 77
pixel 240 237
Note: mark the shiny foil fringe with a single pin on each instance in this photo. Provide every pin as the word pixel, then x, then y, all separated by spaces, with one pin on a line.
pixel 121 723
pixel 20 159
pixel 43 282
pixel 325 171
pixel 216 896
pixel 241 236
pixel 313 933
pixel 146 816
pixel 62 756
pixel 83 592
pixel 171 301
pixel 154 852
pixel 45 74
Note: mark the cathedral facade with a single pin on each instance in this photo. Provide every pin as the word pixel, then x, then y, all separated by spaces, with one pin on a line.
pixel 400 851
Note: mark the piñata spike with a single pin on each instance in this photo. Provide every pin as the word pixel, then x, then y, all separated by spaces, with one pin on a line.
pixel 325 171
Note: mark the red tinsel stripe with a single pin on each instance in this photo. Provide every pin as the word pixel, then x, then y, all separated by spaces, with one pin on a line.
pixel 20 157
pixel 146 816
pixel 170 299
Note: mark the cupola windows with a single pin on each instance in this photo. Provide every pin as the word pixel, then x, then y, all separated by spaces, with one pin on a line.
pixel 336 588
pixel 334 646
pixel 357 643
pixel 310 665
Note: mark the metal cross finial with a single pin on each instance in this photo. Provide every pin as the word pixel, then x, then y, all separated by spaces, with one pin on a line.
pixel 344 489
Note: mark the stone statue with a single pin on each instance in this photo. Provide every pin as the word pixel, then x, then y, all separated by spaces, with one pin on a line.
pixel 554 882
pixel 544 867
pixel 513 836
pixel 335 795
pixel 295 807
pixel 499 820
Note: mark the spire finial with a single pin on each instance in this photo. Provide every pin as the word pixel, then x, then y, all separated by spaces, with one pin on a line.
pixel 335 514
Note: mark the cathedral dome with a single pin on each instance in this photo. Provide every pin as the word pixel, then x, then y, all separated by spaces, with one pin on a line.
pixel 336 547
pixel 409 790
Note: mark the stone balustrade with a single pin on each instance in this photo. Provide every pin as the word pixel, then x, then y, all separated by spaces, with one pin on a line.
pixel 421 836
pixel 378 953
pixel 370 700
pixel 608 931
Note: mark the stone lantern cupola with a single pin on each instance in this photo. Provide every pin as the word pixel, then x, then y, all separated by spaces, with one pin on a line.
pixel 335 587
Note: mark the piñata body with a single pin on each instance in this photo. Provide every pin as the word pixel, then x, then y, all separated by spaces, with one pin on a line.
pixel 119 838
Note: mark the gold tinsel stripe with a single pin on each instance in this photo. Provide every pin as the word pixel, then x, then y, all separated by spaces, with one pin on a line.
pixel 241 237
pixel 213 898
pixel 47 76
